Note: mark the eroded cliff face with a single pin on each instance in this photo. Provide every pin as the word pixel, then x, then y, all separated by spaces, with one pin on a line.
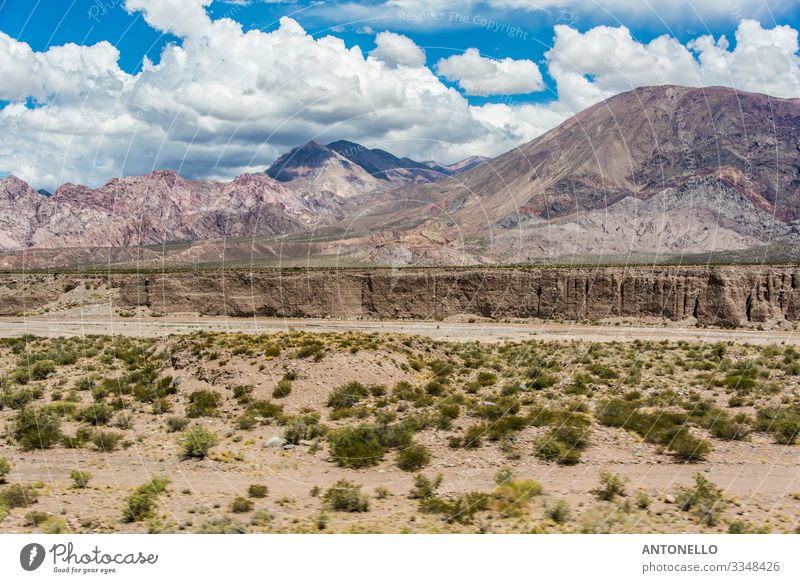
pixel 716 296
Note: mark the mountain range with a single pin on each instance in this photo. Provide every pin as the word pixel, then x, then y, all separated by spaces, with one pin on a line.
pixel 656 170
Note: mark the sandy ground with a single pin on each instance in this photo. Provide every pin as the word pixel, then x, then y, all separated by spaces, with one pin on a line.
pixel 55 325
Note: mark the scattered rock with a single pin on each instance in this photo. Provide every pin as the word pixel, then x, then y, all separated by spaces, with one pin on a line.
pixel 669 499
pixel 275 441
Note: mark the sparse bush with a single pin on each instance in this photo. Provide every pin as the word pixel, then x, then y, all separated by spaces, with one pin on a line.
pixel 413 458
pixel 241 504
pixel 246 422
pixel 744 527
pixel 142 501
pixel 486 378
pixel 18 496
pixel 196 442
pixel 566 441
pixel 723 426
pixel 611 486
pixel 643 501
pixel 82 436
pixel 95 414
pixel 559 512
pixel 124 421
pixel 257 491
pixel 5 469
pixel 282 389
pixel 37 428
pixel 202 404
pixel 175 424
pixel 425 488
pixel 303 428
pixel 688 447
pixel 221 525
pixel 345 496
pixel 473 435
pixel 503 476
pixel 242 393
pixel 106 440
pixel 365 445
pixel 263 410
pixel 782 422
pixel 705 500
pixel 347 396
pixel 511 497
pixel 41 369
pixel 80 479
pixel 460 509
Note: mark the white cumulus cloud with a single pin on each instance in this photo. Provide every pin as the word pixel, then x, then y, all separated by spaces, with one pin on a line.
pixel 477 75
pixel 396 49
pixel 604 61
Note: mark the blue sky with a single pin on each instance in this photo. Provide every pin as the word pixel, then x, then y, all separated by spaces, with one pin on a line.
pixel 513 87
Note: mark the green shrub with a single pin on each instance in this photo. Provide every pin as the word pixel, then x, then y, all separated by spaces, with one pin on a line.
pixel 18 496
pixel 41 369
pixel 17 399
pixel 106 440
pixel 241 504
pixel 5 469
pixel 303 428
pixel 347 396
pixel 257 491
pixel 221 525
pixel 246 422
pixel 782 422
pixel 473 435
pixel 175 424
pixel 611 486
pixel 461 509
pixel 345 496
pixel 705 500
pixel 242 393
pixel 425 488
pixel 723 426
pixel 282 389
pixel 202 404
pixel 486 379
pixel 565 442
pixel 643 501
pixel 311 348
pixel 85 384
pixel 37 428
pixel 263 410
pixel 559 512
pixel 357 447
pixel 511 497
pixel 143 500
pixel 196 442
pixel 552 450
pixel 744 527
pixel 82 436
pixel 80 479
pixel 616 412
pixel 688 447
pixel 413 458
pixel 95 414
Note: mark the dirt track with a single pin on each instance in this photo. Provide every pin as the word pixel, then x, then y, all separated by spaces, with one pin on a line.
pixel 480 331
